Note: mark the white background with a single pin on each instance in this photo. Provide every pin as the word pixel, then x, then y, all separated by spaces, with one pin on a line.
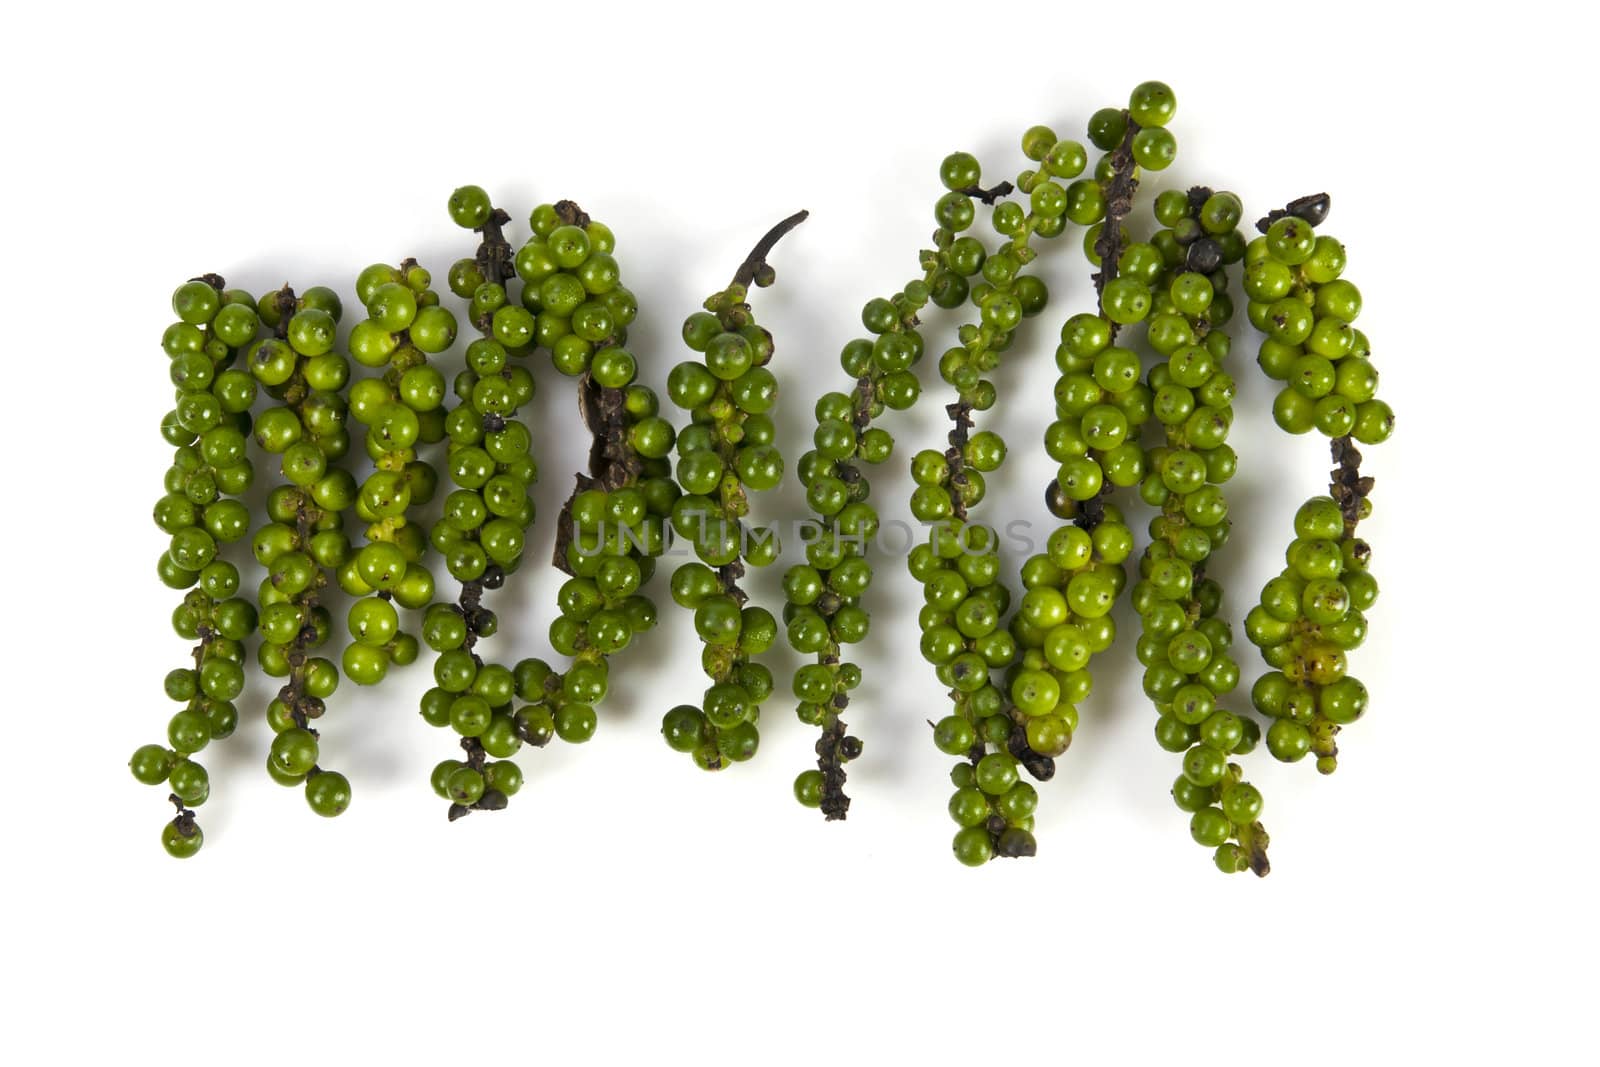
pixel 1432 899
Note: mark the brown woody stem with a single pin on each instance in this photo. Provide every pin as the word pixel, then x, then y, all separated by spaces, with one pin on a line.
pixel 754 269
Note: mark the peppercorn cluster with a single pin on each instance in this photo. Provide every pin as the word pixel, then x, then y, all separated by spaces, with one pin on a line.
pixel 1140 417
